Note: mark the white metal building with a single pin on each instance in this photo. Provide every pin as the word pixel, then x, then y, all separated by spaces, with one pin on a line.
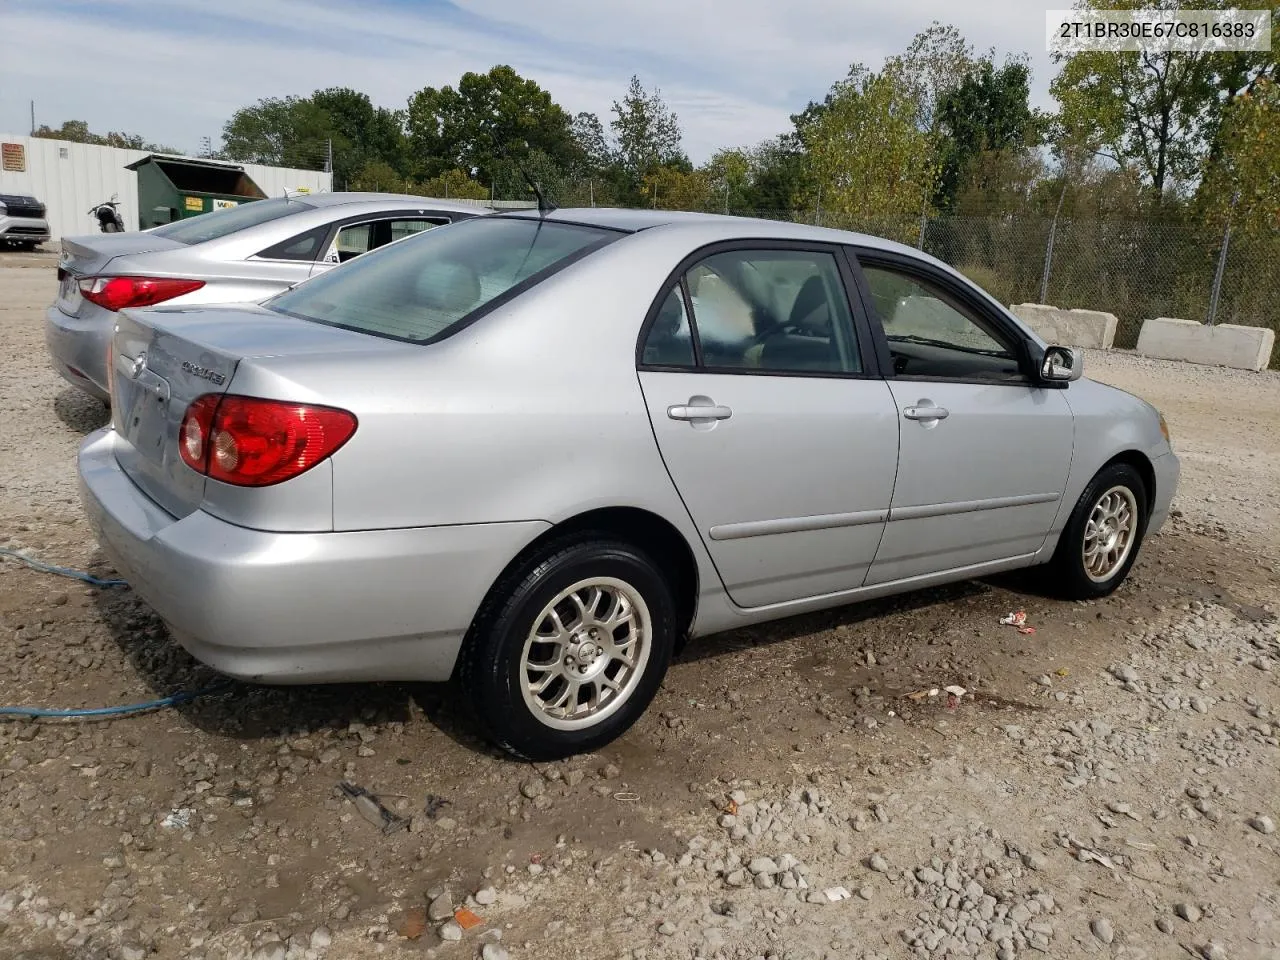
pixel 71 178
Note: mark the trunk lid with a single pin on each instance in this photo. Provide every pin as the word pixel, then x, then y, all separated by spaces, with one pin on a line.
pixel 163 359
pixel 89 255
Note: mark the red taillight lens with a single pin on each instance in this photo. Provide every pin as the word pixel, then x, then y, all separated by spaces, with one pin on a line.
pixel 193 436
pixel 116 293
pixel 251 442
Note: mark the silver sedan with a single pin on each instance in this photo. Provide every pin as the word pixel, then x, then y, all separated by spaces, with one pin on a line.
pixel 535 454
pixel 243 253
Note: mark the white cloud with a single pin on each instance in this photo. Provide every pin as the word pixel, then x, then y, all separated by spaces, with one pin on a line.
pixel 732 69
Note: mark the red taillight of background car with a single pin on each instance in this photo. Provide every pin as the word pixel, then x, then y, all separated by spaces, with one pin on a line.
pixel 116 293
pixel 250 442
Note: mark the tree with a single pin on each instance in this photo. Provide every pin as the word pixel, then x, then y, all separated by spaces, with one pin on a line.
pixel 489 118
pixel 646 133
pixel 452 185
pixel 380 177
pixel 868 157
pixel 361 133
pixel 729 174
pixel 306 131
pixel 1157 110
pixel 935 63
pixel 675 188
pixel 780 174
pixel 77 131
pixel 286 132
pixel 594 150
pixel 1242 181
pixel 987 112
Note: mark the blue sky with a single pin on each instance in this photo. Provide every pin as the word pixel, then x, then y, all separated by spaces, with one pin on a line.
pixel 733 70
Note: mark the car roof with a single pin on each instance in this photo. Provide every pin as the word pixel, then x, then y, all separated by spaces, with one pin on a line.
pixel 390 200
pixel 674 221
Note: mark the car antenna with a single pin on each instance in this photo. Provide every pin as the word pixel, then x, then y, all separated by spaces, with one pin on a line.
pixel 545 206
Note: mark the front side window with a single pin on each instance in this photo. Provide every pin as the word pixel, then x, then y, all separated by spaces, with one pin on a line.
pixel 419 289
pixel 222 223
pixel 768 311
pixel 932 335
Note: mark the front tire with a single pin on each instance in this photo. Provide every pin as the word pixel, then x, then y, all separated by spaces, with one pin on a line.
pixel 569 647
pixel 1103 535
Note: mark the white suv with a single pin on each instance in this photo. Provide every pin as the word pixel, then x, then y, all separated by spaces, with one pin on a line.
pixel 22 222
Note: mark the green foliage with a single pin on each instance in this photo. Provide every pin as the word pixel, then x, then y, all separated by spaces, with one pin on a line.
pixel 646 135
pixel 868 157
pixel 986 115
pixel 287 132
pixel 1157 112
pixel 77 131
pixel 674 188
pixel 1242 182
pixel 489 119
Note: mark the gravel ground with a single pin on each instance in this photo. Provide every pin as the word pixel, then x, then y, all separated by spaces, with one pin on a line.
pixel 1104 788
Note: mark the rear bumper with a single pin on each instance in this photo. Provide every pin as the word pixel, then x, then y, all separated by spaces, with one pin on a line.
pixel 1167 470
pixel 298 607
pixel 24 229
pixel 78 347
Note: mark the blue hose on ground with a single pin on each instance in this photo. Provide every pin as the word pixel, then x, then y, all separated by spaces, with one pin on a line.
pixel 174 700
pixel 170 701
pixel 60 571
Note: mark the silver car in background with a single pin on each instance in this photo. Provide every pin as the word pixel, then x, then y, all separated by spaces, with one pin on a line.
pixel 534 454
pixel 245 253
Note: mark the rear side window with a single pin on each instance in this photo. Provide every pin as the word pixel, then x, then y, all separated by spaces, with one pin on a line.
pixel 304 247
pixel 221 223
pixel 419 289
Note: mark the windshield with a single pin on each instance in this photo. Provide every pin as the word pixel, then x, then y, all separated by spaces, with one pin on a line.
pixel 220 223
pixel 419 288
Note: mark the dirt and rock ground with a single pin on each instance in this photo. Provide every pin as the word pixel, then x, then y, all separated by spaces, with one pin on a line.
pixel 1106 787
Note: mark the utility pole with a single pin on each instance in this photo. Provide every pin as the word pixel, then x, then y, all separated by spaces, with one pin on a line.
pixel 1222 265
pixel 1053 235
pixel 328 157
pixel 924 219
pixel 33 118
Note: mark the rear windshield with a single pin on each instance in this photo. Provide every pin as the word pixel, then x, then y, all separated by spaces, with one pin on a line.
pixel 220 223
pixel 418 288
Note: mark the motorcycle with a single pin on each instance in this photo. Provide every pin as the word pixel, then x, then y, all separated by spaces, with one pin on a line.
pixel 109 219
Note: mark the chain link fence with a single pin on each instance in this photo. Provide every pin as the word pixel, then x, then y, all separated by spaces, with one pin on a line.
pixel 1135 269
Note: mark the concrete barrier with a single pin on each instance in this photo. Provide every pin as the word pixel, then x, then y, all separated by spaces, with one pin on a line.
pixel 1226 345
pixel 1073 328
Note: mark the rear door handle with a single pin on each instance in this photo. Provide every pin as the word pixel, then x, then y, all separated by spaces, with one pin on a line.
pixel 926 413
pixel 698 412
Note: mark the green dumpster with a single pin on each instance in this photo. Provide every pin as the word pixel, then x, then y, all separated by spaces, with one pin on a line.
pixel 171 188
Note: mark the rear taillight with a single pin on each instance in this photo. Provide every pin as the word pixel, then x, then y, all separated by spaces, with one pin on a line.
pixel 116 293
pixel 251 442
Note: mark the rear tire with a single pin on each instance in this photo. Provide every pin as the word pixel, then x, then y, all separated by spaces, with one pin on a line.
pixel 569 647
pixel 1102 537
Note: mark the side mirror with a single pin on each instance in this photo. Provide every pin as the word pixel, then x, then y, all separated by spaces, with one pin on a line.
pixel 1062 364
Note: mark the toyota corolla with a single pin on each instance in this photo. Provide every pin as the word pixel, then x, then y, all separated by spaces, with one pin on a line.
pixel 535 453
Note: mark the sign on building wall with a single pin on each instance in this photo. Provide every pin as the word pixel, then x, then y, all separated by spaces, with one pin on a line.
pixel 13 157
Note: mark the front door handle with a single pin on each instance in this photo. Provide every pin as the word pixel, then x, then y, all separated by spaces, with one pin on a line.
pixel 696 412
pixel 926 412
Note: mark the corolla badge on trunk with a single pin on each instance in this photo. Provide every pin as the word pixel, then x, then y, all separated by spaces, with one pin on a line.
pixel 204 373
